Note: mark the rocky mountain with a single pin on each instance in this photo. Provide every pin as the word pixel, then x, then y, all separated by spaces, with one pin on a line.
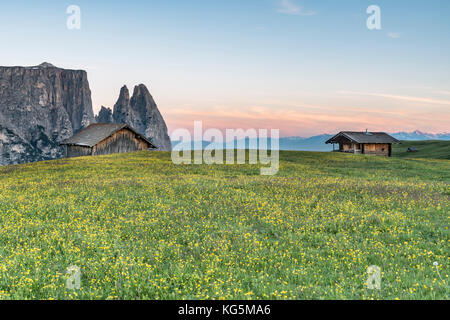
pixel 104 116
pixel 43 105
pixel 40 107
pixel 141 112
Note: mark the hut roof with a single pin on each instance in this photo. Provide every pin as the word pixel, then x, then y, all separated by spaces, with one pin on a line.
pixel 97 132
pixel 363 137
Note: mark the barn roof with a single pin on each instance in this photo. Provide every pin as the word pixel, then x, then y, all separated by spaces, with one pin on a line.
pixel 97 132
pixel 363 137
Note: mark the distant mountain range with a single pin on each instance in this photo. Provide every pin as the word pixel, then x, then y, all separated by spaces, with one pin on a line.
pixel 317 143
pixel 418 135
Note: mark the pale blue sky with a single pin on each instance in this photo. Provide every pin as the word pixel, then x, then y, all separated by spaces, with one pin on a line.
pixel 303 66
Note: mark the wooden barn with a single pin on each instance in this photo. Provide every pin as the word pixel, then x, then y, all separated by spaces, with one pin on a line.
pixel 106 138
pixel 370 143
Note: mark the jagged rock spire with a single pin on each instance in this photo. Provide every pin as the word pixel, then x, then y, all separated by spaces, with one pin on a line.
pixel 104 116
pixel 141 112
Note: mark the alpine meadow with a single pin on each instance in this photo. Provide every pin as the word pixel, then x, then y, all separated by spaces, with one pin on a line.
pixel 257 159
pixel 140 227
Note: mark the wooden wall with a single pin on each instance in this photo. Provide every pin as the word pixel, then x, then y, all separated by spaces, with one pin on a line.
pixel 122 141
pixel 78 151
pixel 379 149
pixel 351 148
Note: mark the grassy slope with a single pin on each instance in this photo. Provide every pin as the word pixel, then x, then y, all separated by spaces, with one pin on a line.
pixel 437 149
pixel 141 227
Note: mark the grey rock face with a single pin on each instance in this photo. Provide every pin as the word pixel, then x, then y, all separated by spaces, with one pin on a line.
pixel 141 112
pixel 104 116
pixel 40 107
pixel 122 109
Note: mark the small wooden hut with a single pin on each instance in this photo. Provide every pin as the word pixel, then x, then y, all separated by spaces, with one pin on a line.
pixel 370 143
pixel 106 138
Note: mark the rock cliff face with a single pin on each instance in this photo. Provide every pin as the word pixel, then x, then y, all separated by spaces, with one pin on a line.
pixel 104 116
pixel 40 107
pixel 141 112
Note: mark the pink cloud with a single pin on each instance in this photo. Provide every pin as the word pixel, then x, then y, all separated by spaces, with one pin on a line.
pixel 309 120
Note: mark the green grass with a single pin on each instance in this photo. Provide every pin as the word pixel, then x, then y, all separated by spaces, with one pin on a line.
pixel 140 227
pixel 436 149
